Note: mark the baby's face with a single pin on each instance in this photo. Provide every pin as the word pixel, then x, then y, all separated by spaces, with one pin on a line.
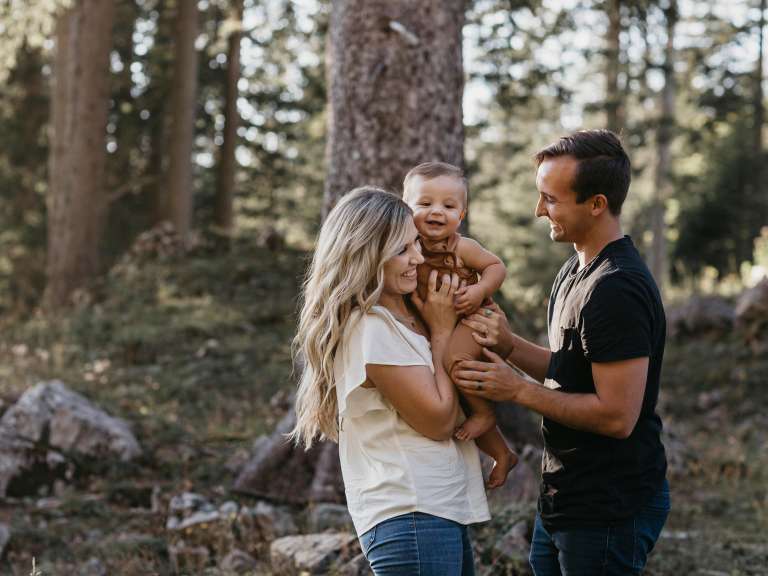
pixel 438 206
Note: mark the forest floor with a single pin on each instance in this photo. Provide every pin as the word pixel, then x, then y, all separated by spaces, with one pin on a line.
pixel 195 352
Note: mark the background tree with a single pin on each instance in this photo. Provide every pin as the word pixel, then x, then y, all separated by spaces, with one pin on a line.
pixel 77 202
pixel 226 180
pixel 178 209
pixel 665 131
pixel 395 85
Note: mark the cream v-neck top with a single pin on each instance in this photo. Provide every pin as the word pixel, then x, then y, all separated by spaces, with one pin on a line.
pixel 389 469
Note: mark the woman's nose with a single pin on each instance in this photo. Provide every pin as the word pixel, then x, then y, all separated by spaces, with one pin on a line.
pixel 417 257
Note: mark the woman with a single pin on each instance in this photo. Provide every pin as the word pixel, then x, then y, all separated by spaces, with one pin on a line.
pixel 374 381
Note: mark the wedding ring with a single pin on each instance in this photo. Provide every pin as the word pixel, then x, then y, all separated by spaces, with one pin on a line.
pixel 478 386
pixel 487 312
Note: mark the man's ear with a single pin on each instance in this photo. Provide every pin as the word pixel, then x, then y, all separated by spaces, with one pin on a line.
pixel 599 204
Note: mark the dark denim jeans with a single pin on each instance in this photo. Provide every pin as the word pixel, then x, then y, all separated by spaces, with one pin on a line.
pixel 417 544
pixel 613 550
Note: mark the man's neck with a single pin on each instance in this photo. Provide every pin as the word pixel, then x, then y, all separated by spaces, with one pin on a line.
pixel 598 238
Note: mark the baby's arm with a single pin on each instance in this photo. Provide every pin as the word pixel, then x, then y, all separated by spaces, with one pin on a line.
pixel 492 273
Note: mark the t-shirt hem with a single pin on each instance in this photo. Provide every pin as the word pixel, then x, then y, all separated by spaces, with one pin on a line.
pixel 475 519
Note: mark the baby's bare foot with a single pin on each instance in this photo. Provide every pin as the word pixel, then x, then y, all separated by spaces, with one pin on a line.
pixel 476 425
pixel 501 468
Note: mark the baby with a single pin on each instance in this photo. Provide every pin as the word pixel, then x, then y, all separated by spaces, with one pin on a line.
pixel 437 194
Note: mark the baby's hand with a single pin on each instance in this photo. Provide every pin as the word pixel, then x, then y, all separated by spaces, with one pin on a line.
pixel 468 299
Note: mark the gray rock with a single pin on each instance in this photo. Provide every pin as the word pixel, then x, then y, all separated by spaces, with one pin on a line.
pixel 237 562
pixel 752 313
pixel 94 567
pixel 265 523
pixel 700 315
pixel 515 544
pixel 358 566
pixel 5 537
pixel 312 553
pixel 49 429
pixel 188 559
pixel 335 517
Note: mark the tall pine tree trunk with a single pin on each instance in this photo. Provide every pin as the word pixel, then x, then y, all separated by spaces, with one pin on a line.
pixel 77 201
pixel 227 164
pixel 182 128
pixel 758 114
pixel 395 84
pixel 664 135
pixel 614 100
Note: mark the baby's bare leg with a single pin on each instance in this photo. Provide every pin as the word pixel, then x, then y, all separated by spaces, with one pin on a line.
pixel 481 417
pixel 493 444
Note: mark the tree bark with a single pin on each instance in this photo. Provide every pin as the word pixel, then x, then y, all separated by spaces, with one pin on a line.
pixel 758 188
pixel 182 129
pixel 395 85
pixel 664 135
pixel 227 162
pixel 77 201
pixel 614 101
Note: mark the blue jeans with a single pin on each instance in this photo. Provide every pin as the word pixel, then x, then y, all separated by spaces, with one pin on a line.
pixel 417 544
pixel 616 549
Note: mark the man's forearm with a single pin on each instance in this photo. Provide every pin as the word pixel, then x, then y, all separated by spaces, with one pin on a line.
pixel 578 411
pixel 529 357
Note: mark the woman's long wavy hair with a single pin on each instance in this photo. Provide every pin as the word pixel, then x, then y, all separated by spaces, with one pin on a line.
pixel 366 228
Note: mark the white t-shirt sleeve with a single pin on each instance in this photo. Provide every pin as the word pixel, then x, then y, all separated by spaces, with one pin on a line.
pixel 374 339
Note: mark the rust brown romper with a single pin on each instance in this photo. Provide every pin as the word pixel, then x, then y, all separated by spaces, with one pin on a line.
pixel 461 346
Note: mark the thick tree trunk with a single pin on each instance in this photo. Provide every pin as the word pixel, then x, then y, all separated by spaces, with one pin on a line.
pixel 664 135
pixel 227 164
pixel 758 187
pixel 395 84
pixel 182 129
pixel 614 100
pixel 77 201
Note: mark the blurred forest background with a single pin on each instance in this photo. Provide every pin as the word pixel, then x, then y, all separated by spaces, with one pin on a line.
pixel 164 169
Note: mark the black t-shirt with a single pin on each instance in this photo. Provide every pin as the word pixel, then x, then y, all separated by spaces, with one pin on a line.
pixel 608 311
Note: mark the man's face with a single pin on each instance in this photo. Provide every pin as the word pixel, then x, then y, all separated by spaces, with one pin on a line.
pixel 569 221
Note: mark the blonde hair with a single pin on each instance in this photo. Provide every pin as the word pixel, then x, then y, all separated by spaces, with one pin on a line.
pixel 431 170
pixel 366 228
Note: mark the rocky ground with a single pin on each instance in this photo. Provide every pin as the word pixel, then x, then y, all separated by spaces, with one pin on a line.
pixel 143 409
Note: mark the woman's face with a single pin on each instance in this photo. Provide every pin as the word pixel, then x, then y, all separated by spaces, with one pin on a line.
pixel 400 270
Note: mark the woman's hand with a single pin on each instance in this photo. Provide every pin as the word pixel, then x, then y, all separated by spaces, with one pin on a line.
pixel 438 311
pixel 491 329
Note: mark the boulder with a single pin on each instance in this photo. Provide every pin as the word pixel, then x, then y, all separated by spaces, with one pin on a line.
pixel 515 544
pixel 237 562
pixel 5 537
pixel 358 566
pixel 752 314
pixel 701 315
pixel 312 553
pixel 334 517
pixel 51 431
pixel 264 523
pixel 281 472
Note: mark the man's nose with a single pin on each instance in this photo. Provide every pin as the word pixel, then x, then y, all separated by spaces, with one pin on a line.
pixel 540 211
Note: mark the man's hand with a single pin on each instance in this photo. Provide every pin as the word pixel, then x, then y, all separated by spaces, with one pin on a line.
pixel 494 380
pixel 469 299
pixel 491 329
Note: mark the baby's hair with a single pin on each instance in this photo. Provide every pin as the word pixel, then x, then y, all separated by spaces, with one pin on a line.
pixel 431 170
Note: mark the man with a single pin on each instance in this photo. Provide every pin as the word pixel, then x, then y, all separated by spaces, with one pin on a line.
pixel 604 497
